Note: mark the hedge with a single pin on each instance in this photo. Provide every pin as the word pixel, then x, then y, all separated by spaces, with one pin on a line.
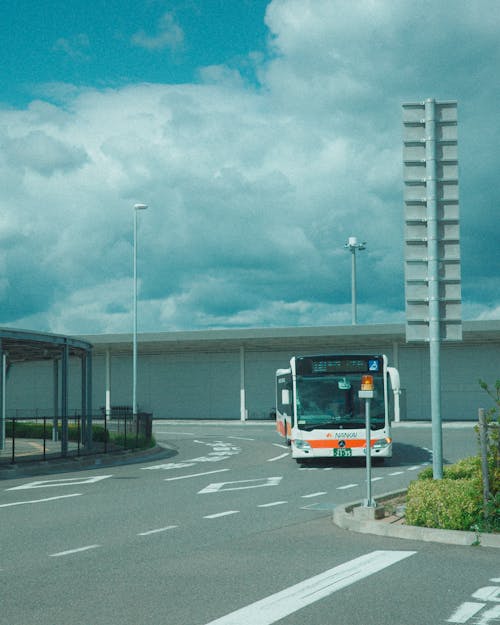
pixel 456 501
pixel 446 504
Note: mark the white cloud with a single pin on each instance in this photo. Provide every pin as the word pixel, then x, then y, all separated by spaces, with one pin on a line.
pixel 252 193
pixel 168 35
pixel 76 47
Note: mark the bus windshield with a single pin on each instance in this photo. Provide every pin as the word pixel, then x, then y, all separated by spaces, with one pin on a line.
pixel 331 401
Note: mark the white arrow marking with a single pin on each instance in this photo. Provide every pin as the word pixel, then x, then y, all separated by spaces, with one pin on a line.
pixel 67 481
pixel 465 612
pixel 488 593
pixel 490 616
pixel 280 605
pixel 185 477
pixel 224 486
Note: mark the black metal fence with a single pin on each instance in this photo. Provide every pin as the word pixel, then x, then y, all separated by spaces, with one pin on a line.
pixel 30 437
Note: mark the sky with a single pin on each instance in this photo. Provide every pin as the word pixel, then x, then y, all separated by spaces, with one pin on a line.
pixel 261 134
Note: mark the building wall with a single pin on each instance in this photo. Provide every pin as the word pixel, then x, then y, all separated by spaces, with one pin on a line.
pixel 206 385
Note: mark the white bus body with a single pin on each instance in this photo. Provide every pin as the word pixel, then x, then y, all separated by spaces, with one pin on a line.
pixel 319 412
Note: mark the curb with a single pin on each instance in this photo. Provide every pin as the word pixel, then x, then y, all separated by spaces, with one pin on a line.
pixel 351 518
pixel 76 463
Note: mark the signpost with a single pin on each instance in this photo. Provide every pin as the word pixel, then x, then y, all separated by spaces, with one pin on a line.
pixel 432 240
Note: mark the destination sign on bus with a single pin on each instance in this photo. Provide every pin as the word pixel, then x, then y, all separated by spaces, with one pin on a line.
pixel 349 364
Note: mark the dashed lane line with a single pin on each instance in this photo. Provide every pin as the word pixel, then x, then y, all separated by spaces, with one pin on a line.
pixel 158 530
pixel 72 551
pixel 221 514
pixel 271 504
pixel 318 494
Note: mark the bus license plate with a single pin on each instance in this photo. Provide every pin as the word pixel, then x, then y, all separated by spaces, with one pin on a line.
pixel 342 453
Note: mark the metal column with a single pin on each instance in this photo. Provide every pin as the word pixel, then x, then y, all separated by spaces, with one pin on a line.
pixel 64 399
pixel 433 286
pixel 243 408
pixel 2 396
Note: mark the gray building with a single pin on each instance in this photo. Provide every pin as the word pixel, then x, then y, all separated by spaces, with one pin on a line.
pixel 229 374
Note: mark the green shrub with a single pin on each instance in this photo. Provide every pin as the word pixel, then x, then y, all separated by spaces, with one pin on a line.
pixel 450 503
pixel 27 429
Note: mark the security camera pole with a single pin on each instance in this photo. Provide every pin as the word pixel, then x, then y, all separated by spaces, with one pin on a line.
pixel 352 245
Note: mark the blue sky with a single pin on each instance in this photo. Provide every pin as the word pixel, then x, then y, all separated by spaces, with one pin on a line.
pixel 261 133
pixel 112 43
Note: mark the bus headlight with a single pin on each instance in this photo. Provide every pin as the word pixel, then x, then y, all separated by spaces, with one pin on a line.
pixel 382 442
pixel 302 445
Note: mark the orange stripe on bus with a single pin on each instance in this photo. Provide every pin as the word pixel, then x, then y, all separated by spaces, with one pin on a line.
pixel 334 444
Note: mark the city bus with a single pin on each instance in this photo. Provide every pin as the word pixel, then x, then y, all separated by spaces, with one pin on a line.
pixel 319 412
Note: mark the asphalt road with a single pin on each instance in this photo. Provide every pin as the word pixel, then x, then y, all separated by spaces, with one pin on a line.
pixel 231 531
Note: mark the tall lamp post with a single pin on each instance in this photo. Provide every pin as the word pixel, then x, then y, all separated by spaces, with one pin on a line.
pixel 137 208
pixel 352 245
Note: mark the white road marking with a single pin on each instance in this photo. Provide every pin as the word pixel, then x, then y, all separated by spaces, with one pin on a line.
pixel 415 468
pixel 278 606
pixel 278 457
pixel 490 616
pixel 465 612
pixel 22 503
pixel 488 593
pixel 220 514
pixel 240 485
pixel 157 531
pixel 242 438
pixel 281 446
pixel 396 473
pixel 185 477
pixel 71 551
pixel 220 451
pixel 346 486
pixel 318 494
pixel 272 503
pixel 376 479
pixel 67 481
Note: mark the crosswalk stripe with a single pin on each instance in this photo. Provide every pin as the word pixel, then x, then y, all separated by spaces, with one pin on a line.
pixel 278 606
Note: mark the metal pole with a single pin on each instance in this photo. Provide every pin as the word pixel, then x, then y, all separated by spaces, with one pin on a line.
pixel 107 408
pixel 137 207
pixel 55 418
pixel 243 408
pixel 134 340
pixel 352 245
pixel 433 288
pixel 483 443
pixel 2 393
pixel 369 503
pixel 353 285
pixel 64 400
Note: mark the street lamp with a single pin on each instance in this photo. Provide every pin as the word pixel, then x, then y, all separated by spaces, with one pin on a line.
pixel 352 245
pixel 137 208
